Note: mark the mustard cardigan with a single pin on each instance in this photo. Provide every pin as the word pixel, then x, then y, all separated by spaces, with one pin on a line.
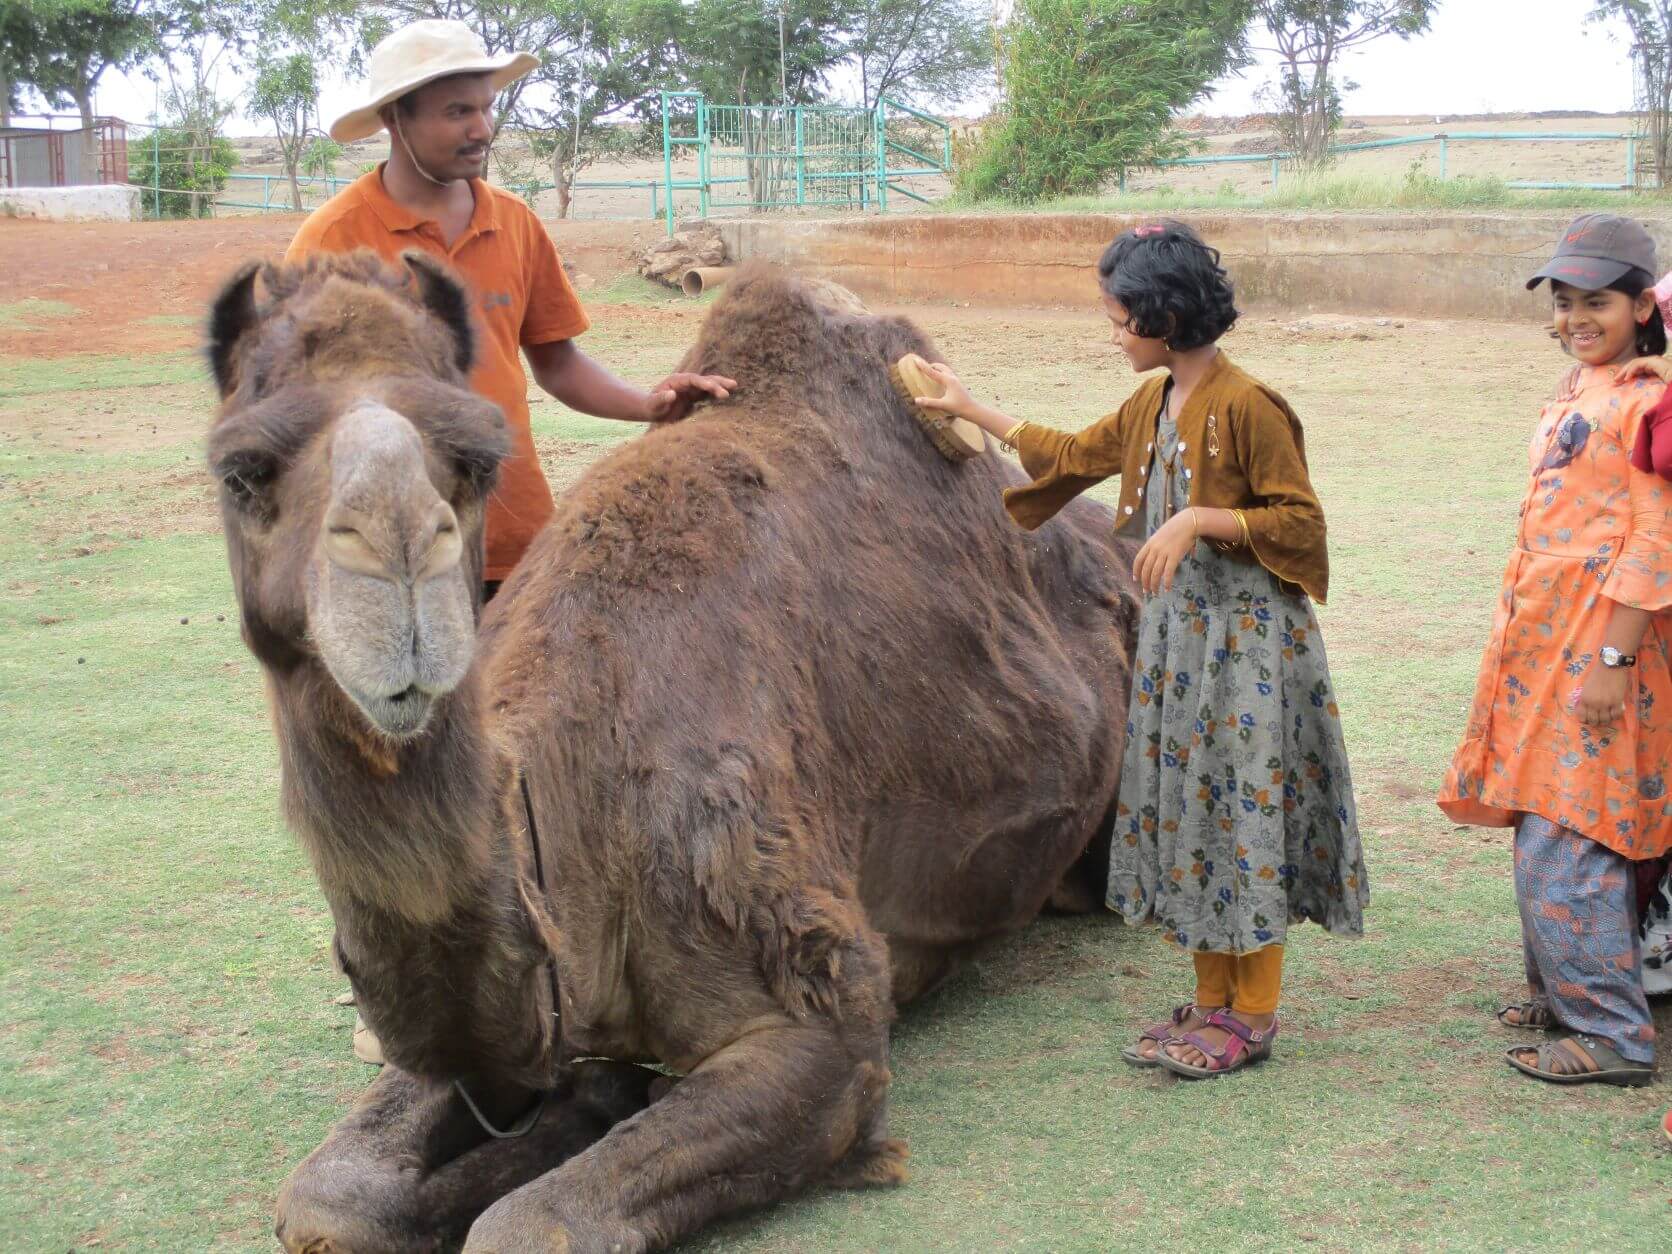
pixel 1240 445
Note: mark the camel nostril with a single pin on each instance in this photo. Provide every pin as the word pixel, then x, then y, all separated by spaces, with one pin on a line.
pixel 406 694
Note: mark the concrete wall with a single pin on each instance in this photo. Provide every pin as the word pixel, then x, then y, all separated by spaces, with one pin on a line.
pixel 110 202
pixel 1430 266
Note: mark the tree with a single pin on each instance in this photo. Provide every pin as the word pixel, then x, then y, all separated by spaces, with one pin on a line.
pixel 285 92
pixel 1650 24
pixel 1310 37
pixel 759 51
pixel 20 47
pixel 921 51
pixel 192 99
pixel 548 28
pixel 62 48
pixel 1092 86
pixel 194 115
pixel 599 100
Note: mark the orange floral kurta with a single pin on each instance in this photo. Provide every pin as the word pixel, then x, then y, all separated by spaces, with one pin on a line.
pixel 1594 531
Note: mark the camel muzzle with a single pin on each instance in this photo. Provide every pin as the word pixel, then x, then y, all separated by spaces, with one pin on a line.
pixel 389 606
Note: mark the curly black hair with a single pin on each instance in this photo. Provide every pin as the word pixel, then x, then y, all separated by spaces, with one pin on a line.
pixel 1171 284
pixel 1651 336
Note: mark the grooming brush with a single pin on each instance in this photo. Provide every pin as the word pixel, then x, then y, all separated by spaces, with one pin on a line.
pixel 957 439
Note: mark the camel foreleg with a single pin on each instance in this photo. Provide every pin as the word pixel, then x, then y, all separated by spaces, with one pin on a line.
pixel 777 1110
pixel 409 1169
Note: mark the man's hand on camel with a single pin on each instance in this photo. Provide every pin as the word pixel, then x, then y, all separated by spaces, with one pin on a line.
pixel 675 396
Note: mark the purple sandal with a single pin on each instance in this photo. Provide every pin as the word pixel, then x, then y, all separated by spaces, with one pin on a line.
pixel 1244 1047
pixel 1161 1032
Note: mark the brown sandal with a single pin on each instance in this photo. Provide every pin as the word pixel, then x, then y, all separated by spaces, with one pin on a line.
pixel 1580 1060
pixel 1532 1015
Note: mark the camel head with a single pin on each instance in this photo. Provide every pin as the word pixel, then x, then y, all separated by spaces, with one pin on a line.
pixel 354 464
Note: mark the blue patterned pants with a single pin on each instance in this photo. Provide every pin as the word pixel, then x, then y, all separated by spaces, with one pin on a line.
pixel 1578 904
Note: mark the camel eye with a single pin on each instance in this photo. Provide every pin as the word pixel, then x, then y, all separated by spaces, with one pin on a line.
pixel 246 478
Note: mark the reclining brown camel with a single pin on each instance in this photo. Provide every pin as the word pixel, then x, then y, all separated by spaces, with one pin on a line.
pixel 797 717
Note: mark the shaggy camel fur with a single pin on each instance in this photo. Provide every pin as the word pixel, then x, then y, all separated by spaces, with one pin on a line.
pixel 802 718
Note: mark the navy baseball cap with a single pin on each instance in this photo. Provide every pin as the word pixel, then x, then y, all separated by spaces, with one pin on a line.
pixel 1598 249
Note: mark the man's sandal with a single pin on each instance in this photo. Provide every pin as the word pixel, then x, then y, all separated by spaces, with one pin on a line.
pixel 1244 1047
pixel 1532 1015
pixel 1580 1060
pixel 1162 1032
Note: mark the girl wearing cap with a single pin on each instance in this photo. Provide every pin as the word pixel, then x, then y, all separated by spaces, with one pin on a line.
pixel 1570 738
pixel 1235 816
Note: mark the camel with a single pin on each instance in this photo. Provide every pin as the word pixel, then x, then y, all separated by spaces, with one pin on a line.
pixel 778 722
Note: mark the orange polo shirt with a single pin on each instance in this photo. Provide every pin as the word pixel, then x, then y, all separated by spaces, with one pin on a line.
pixel 521 296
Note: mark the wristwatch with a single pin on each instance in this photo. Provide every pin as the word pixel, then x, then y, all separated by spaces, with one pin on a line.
pixel 1614 660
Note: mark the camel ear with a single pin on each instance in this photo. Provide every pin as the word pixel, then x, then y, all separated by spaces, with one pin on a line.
pixel 232 314
pixel 444 296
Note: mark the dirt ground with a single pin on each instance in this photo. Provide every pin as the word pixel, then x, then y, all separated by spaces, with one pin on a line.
pixel 141 286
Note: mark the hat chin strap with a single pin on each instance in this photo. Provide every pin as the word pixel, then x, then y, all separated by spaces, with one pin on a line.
pixel 410 155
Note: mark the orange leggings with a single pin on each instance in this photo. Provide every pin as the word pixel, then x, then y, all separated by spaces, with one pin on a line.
pixel 1250 984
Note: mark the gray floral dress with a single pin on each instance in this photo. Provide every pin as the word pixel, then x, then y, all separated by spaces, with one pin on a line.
pixel 1236 813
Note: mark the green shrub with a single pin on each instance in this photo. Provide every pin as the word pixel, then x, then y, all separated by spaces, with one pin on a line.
pixel 179 171
pixel 320 157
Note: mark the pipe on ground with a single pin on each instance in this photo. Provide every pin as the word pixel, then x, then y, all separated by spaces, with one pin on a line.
pixel 699 279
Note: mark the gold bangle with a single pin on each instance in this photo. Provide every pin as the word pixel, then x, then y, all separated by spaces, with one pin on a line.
pixel 1008 439
pixel 1231 546
pixel 1195 525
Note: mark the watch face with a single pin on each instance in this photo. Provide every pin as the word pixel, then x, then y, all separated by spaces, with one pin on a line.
pixel 1610 655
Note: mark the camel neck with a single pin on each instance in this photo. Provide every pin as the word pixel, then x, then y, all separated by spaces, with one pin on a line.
pixel 406 828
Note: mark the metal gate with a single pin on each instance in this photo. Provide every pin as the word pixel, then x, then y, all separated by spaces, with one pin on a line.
pixel 762 158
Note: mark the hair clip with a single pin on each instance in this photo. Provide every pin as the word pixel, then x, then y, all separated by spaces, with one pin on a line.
pixel 1663 297
pixel 1143 231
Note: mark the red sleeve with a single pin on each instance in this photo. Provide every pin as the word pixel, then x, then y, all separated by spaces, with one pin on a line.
pixel 1653 450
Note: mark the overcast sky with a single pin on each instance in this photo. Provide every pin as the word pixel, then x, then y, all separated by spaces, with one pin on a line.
pixel 1482 56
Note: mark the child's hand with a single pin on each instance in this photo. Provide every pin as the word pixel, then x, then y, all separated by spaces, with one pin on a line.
pixel 1159 559
pixel 954 398
pixel 1646 368
pixel 1602 699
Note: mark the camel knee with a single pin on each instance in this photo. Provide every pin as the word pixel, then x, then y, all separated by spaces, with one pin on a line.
pixel 328 1208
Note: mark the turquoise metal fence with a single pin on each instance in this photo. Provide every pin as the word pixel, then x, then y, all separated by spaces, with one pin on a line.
pixel 1444 139
pixel 760 158
pixel 741 157
pixel 270 182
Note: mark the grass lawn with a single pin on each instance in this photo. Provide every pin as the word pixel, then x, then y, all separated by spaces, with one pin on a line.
pixel 168 1042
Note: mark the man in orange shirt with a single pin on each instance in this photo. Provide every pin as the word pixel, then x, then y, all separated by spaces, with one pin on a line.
pixel 433 86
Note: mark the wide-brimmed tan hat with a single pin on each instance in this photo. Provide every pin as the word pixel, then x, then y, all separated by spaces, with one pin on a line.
pixel 419 54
